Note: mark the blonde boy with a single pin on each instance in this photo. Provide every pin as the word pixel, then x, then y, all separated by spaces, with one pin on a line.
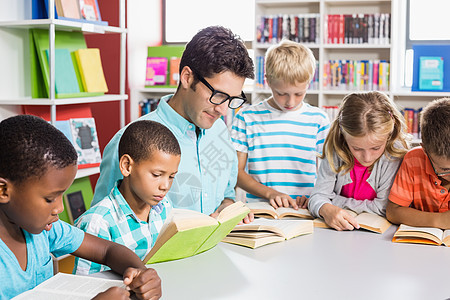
pixel 278 139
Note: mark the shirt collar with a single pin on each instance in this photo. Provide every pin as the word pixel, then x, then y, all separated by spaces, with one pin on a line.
pixel 166 112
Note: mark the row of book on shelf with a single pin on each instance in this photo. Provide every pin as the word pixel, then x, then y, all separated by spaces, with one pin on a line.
pixel 162 71
pixel 362 75
pixel 260 78
pixel 358 29
pixel 86 11
pixel 301 28
pixel 339 28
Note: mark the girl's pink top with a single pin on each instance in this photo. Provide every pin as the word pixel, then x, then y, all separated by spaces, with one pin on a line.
pixel 359 189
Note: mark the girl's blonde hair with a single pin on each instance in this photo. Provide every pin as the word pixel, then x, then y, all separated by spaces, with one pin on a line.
pixel 290 62
pixel 361 114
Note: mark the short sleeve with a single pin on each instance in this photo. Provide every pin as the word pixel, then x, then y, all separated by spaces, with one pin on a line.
pixel 64 238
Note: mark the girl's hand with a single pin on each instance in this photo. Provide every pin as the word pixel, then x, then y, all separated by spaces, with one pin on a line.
pixel 278 199
pixel 302 201
pixel 337 218
pixel 113 293
pixel 145 283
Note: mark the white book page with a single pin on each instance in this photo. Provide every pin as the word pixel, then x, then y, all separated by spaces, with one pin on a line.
pixel 68 287
pixel 430 230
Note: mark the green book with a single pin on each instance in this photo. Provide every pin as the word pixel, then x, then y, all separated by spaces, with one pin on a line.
pixel 186 232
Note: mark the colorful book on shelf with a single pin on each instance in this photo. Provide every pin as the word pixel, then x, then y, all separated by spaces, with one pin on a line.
pixel 68 9
pixel 367 221
pixel 265 210
pixel 91 70
pixel 167 51
pixel 40 74
pixel 65 78
pixel 431 73
pixel 156 73
pixel 80 189
pixel 89 14
pixel 187 232
pixel 422 235
pixel 85 141
pixel 262 231
pixel 174 73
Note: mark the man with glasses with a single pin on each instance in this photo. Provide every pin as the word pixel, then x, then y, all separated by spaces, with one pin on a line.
pixel 213 68
pixel 420 193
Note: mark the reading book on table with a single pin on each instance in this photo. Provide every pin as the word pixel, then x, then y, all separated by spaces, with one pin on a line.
pixel 368 221
pixel 186 232
pixel 422 235
pixel 265 210
pixel 265 231
pixel 68 286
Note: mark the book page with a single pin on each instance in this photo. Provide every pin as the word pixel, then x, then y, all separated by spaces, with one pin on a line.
pixel 286 228
pixel 291 212
pixel 76 287
pixel 262 208
pixel 373 222
pixel 187 219
pixel 410 233
pixel 446 238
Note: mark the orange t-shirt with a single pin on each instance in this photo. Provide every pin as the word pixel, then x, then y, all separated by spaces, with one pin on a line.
pixel 416 185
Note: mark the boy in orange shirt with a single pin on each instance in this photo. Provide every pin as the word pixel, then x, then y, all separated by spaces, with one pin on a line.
pixel 420 193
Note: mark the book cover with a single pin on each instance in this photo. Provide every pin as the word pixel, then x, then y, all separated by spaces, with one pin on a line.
pixel 91 10
pixel 186 232
pixel 81 186
pixel 68 8
pixel 433 51
pixel 85 141
pixel 431 73
pixel 65 78
pixel 174 74
pixel 156 71
pixel 91 70
pixel 167 51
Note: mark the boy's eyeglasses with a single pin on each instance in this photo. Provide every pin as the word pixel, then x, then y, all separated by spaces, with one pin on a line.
pixel 446 173
pixel 218 97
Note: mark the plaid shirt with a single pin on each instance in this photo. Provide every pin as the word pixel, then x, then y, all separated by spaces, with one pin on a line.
pixel 113 219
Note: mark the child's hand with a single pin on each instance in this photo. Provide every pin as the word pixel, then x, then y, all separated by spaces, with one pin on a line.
pixel 302 201
pixel 337 218
pixel 145 283
pixel 278 199
pixel 113 293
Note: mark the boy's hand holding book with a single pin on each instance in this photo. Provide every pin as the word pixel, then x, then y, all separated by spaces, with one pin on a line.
pixel 338 218
pixel 145 283
pixel 226 202
pixel 278 199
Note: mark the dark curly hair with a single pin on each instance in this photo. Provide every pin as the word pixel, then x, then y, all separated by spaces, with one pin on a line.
pixel 141 138
pixel 29 146
pixel 214 50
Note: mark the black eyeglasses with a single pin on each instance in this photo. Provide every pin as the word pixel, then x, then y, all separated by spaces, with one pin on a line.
pixel 218 97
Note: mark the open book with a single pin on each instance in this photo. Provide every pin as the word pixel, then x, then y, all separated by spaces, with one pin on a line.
pixel 68 286
pixel 186 232
pixel 368 221
pixel 422 235
pixel 265 210
pixel 264 231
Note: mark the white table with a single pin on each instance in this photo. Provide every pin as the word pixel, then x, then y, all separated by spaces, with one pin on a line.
pixel 324 265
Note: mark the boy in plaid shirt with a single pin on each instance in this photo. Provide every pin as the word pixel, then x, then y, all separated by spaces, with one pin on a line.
pixel 135 210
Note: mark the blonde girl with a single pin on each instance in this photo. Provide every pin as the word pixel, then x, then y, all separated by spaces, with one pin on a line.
pixel 363 151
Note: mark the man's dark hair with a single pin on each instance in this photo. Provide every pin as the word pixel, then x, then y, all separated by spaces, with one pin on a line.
pixel 435 127
pixel 29 146
pixel 141 138
pixel 214 50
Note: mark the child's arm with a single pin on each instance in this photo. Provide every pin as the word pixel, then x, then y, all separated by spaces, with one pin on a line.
pixel 144 282
pixel 249 184
pixel 398 214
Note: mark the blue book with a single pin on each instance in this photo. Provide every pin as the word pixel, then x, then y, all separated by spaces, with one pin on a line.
pixel 431 73
pixel 66 81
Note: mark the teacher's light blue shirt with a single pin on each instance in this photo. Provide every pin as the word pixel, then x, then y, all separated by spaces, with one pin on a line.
pixel 208 168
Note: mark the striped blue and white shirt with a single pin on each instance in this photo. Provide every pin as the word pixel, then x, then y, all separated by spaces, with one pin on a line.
pixel 113 219
pixel 282 147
